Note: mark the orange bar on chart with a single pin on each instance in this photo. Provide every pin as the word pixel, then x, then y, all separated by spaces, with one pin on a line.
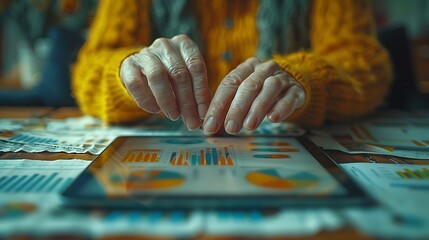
pixel 222 160
pixel 230 162
pixel 411 173
pixel 418 143
pixel 180 158
pixel 401 174
pixel 138 157
pixel 203 159
pixel 129 158
pixel 141 155
pixel 146 157
pixel 154 157
pixel 186 160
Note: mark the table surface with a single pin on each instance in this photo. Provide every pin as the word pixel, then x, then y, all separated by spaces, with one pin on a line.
pixel 61 113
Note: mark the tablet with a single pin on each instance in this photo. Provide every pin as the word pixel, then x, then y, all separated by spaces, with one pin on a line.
pixel 214 172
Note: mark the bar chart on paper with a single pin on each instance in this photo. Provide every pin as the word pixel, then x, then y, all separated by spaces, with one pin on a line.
pixel 33 176
pixel 396 177
pixel 219 156
pixel 34 183
pixel 33 139
pixel 420 173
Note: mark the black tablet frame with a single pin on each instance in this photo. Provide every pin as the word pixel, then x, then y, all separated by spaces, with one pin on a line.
pixel 355 196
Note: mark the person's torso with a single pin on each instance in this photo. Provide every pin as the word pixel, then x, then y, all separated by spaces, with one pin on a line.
pixel 228 33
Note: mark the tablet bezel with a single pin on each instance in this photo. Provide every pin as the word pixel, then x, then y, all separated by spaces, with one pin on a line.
pixel 354 196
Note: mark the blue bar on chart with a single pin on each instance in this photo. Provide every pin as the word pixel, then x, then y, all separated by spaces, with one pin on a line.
pixel 208 157
pixel 18 187
pixel 66 183
pixel 27 184
pixel 13 185
pixel 177 216
pixel 214 156
pixel 194 160
pixel 43 184
pixel 2 179
pixel 31 183
pixel 54 184
pixel 8 181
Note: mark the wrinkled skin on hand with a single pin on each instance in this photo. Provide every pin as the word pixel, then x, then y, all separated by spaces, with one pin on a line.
pixel 249 93
pixel 170 76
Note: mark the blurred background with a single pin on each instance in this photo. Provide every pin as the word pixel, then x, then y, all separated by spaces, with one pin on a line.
pixel 39 40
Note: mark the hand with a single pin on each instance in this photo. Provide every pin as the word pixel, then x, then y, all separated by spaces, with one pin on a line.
pixel 250 92
pixel 169 76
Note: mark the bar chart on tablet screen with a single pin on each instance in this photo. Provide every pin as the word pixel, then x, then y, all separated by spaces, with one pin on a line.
pixel 210 156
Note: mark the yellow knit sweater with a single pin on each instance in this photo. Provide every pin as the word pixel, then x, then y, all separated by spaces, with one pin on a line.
pixel 346 74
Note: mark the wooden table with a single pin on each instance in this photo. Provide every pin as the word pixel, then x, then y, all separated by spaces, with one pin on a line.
pixel 28 112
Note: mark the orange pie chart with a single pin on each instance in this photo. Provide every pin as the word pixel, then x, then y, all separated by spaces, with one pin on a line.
pixel 271 179
pixel 141 180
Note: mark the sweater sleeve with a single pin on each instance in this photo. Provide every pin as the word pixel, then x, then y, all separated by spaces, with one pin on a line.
pixel 115 34
pixel 347 72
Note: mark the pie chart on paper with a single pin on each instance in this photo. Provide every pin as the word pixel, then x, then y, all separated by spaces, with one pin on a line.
pixel 272 179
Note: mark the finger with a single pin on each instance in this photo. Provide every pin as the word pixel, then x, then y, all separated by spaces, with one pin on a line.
pixel 225 94
pixel 198 71
pixel 266 99
pixel 136 84
pixel 285 106
pixel 246 94
pixel 180 80
pixel 157 79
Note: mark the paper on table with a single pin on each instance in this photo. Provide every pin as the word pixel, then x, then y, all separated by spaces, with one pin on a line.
pixel 38 177
pixel 345 144
pixel 403 136
pixel 404 188
pixel 393 133
pixel 74 135
pixel 88 134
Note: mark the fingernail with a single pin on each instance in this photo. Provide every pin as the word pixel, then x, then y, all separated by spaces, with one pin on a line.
pixel 232 127
pixel 210 126
pixel 251 122
pixel 202 110
pixel 154 110
pixel 299 100
pixel 192 123
pixel 274 116
pixel 174 116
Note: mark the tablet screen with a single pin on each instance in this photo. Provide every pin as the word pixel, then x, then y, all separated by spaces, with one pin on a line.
pixel 215 167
